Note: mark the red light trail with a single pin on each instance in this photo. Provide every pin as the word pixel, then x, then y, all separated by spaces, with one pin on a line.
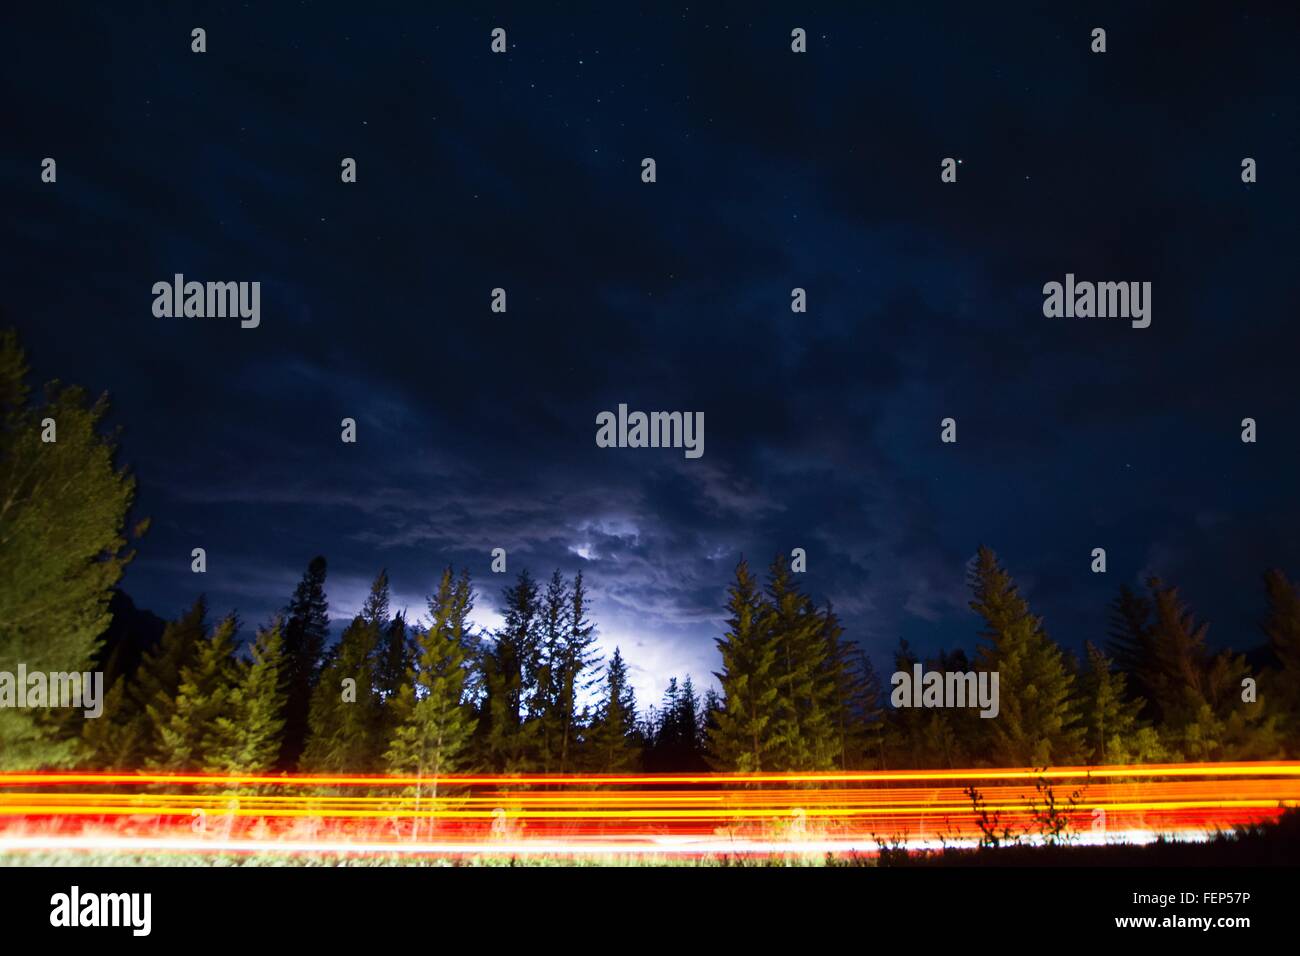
pixel 625 814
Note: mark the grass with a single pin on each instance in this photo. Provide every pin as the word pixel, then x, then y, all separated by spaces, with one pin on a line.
pixel 1271 844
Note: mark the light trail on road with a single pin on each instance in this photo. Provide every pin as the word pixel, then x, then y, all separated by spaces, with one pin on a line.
pixel 630 814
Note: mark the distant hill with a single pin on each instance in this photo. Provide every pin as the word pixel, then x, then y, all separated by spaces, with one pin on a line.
pixel 133 631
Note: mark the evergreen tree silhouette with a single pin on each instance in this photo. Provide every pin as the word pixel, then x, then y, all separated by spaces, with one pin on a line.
pixel 306 629
pixel 1037 723
pixel 742 740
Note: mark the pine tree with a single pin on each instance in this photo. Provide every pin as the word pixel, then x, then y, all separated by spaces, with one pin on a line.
pixel 576 660
pixel 837 731
pixel 246 738
pixel 1131 645
pixel 857 715
pixel 647 731
pixel 687 717
pixel 346 720
pixel 63 508
pixel 1177 669
pixel 1282 626
pixel 181 728
pixel 508 739
pixel 114 741
pixel 306 629
pixel 708 719
pixel 929 738
pixel 674 745
pixel 614 747
pixel 801 731
pixel 133 740
pixel 1202 715
pixel 667 732
pixel 375 610
pixel 1114 734
pixel 395 657
pixel 462 604
pixel 1037 723
pixel 546 676
pixel 660 728
pixel 435 721
pixel 742 740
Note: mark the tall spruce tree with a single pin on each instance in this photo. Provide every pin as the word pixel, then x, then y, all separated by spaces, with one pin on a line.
pixel 396 657
pixel 857 715
pixel 1198 693
pixel 1114 733
pixel 573 671
pixel 661 739
pixel 1282 626
pixel 435 721
pixel 375 610
pixel 837 735
pixel 929 737
pixel 182 727
pixel 688 716
pixel 613 739
pixel 462 631
pixel 245 738
pixel 306 629
pixel 1177 666
pixel 129 739
pixel 801 731
pixel 1037 723
pixel 63 506
pixel 675 745
pixel 742 740
pixel 546 675
pixel 346 716
pixel 709 707
pixel 508 737
pixel 114 741
pixel 1130 640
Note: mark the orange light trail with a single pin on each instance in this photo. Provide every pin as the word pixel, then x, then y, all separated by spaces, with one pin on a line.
pixel 624 814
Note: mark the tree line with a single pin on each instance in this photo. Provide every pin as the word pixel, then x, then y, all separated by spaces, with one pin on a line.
pixel 426 698
pixel 437 696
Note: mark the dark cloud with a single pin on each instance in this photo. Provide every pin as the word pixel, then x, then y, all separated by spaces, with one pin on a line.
pixel 775 171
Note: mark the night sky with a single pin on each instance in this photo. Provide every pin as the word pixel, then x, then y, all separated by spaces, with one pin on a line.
pixel 775 171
